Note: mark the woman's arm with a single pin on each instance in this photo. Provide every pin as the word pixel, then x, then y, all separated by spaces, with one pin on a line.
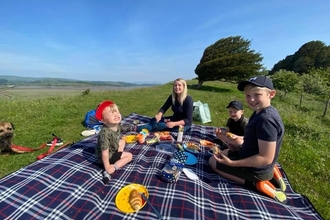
pixel 166 105
pixel 163 109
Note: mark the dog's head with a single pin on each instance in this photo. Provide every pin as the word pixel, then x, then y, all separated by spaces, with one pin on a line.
pixel 6 130
pixel 6 134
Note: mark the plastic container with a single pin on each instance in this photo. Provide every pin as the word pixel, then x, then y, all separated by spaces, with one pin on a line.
pixel 168 139
pixel 166 148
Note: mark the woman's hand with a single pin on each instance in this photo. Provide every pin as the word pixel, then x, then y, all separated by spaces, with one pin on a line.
pixel 158 117
pixel 170 124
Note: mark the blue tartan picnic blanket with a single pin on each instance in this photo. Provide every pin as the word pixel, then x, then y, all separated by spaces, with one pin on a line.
pixel 68 185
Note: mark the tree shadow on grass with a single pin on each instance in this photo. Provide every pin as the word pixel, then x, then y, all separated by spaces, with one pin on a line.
pixel 208 88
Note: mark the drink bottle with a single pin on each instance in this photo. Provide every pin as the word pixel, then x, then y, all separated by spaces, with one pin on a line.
pixel 180 134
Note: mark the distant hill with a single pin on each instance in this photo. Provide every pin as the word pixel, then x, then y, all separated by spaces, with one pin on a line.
pixel 45 81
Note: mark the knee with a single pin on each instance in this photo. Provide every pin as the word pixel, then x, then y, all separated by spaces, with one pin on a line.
pixel 212 162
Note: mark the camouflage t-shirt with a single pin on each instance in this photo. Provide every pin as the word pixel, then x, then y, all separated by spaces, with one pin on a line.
pixel 108 139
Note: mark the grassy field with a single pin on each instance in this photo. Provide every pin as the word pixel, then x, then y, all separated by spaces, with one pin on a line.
pixel 304 156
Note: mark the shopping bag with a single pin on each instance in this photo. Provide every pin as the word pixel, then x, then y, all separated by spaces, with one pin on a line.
pixel 201 112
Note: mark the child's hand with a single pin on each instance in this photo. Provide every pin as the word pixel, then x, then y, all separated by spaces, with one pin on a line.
pixel 221 158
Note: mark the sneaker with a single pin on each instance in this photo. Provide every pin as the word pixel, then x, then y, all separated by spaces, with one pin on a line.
pixel 277 180
pixel 58 143
pixel 267 188
pixel 106 177
pixel 87 133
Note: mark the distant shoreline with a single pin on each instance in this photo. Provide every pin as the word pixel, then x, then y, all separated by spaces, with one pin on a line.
pixel 92 88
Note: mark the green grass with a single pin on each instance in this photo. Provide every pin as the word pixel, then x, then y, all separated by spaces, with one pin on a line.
pixel 304 156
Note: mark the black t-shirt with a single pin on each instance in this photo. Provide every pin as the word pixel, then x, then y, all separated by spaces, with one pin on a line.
pixel 267 125
pixel 180 112
pixel 237 127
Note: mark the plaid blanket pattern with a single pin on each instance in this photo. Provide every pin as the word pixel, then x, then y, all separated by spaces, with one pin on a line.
pixel 68 185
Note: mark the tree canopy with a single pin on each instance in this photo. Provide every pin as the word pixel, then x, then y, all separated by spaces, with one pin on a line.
pixel 229 58
pixel 286 80
pixel 314 54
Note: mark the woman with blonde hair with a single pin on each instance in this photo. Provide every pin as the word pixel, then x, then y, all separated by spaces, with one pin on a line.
pixel 182 106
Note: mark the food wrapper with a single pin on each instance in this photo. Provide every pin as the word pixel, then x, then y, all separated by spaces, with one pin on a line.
pixel 172 170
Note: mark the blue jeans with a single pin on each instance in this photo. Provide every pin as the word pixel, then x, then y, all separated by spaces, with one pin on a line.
pixel 160 126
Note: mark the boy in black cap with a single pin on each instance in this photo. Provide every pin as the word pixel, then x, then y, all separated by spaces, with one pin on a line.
pixel 255 166
pixel 232 135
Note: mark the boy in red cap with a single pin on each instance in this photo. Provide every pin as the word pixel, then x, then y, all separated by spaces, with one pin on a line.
pixel 254 165
pixel 110 148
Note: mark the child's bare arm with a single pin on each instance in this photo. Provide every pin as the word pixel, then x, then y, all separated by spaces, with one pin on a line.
pixel 121 145
pixel 265 157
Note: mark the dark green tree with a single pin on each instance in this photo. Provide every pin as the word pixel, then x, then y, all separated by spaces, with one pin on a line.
pixel 229 58
pixel 314 54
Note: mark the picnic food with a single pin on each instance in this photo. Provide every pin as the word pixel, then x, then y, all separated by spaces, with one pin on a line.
pixel 207 143
pixel 162 133
pixel 180 147
pixel 135 199
pixel 215 150
pixel 192 146
pixel 230 135
pixel 165 138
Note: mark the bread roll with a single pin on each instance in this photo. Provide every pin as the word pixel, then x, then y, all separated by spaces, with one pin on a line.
pixel 216 150
pixel 230 135
pixel 135 199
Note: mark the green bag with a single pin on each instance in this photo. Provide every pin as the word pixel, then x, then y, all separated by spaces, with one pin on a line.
pixel 201 112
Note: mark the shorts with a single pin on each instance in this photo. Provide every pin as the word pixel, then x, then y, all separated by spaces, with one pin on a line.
pixel 115 157
pixel 243 172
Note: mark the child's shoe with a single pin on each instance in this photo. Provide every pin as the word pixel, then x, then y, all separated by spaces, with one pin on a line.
pixel 277 180
pixel 106 177
pixel 267 188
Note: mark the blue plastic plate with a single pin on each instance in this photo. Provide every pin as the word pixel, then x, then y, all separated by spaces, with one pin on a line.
pixel 191 160
pixel 190 150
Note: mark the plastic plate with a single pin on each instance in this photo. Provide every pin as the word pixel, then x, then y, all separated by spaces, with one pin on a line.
pixel 122 198
pixel 166 148
pixel 191 159
pixel 185 146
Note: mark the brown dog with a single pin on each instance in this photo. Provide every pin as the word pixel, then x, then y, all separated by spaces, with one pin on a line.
pixel 6 134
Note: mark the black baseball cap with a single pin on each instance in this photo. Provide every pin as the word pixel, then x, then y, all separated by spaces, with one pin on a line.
pixel 262 81
pixel 236 104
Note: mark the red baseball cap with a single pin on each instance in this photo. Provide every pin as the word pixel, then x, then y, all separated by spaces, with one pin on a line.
pixel 101 107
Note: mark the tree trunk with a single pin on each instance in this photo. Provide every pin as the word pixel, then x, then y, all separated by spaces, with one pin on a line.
pixel 200 83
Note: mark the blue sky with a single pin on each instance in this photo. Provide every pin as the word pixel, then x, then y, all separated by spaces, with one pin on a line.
pixel 147 40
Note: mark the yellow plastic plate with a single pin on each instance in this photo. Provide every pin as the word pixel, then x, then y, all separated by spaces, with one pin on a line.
pixel 122 198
